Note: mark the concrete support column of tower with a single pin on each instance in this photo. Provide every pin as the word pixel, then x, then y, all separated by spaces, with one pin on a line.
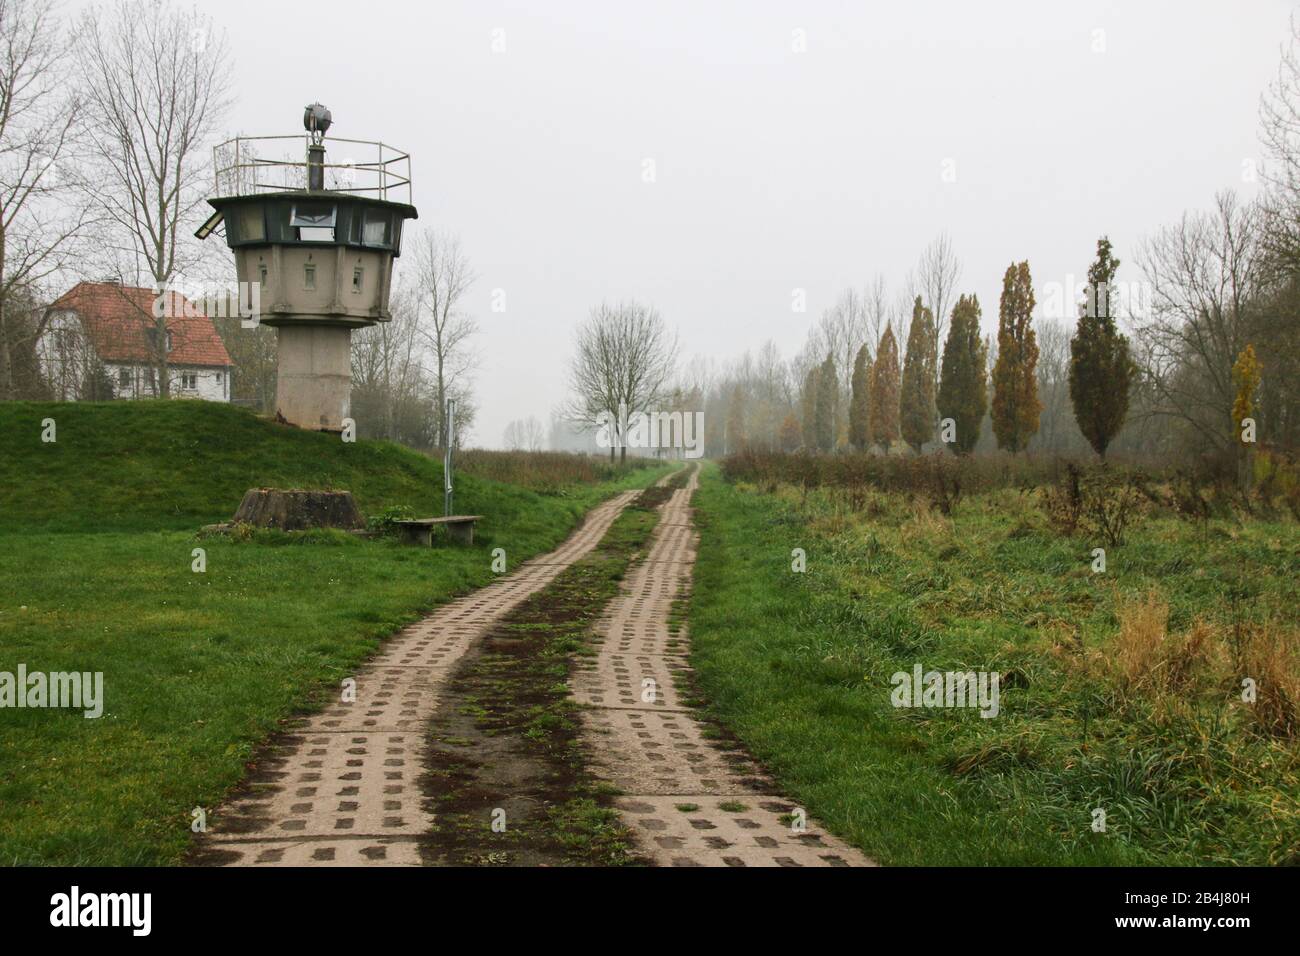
pixel 314 376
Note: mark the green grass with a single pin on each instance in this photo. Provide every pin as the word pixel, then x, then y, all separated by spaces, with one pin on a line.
pixel 799 666
pixel 96 535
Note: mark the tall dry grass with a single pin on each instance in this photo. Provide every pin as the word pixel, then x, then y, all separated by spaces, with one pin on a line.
pixel 1173 670
pixel 1146 657
pixel 546 472
pixel 1270 656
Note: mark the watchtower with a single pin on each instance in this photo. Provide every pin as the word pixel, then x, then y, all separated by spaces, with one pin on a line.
pixel 319 239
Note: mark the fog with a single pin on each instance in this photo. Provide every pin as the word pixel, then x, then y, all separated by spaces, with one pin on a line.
pixel 794 146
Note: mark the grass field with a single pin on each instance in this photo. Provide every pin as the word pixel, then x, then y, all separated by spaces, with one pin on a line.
pixel 1119 691
pixel 96 539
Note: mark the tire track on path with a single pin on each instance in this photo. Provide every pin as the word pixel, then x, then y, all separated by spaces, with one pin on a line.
pixel 341 787
pixel 689 798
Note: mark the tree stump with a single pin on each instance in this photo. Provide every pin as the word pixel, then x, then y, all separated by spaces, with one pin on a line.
pixel 297 510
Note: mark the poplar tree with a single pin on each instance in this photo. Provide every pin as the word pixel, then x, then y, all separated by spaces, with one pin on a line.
pixel 828 392
pixel 860 402
pixel 1101 369
pixel 916 403
pixel 963 381
pixel 1245 375
pixel 1246 378
pixel 1015 384
pixel 884 392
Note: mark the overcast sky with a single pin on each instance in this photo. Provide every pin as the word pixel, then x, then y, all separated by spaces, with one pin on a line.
pixel 774 169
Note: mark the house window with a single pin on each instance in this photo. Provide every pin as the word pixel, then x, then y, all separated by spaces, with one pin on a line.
pixel 124 378
pixel 309 276
pixel 221 378
pixel 357 274
pixel 189 380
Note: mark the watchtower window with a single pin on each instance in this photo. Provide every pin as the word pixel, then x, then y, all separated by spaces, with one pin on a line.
pixel 314 222
pixel 251 227
pixel 378 229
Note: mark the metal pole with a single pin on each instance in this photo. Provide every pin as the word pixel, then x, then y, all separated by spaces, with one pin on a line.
pixel 449 427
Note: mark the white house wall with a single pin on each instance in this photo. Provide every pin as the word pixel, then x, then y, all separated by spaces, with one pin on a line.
pixel 211 384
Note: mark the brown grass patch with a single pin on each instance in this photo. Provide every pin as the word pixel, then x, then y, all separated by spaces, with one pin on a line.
pixel 1147 658
pixel 1270 656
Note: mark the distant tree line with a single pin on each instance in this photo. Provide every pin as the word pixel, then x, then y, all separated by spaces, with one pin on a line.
pixel 1209 331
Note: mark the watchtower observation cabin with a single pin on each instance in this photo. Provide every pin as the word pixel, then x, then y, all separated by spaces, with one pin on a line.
pixel 319 238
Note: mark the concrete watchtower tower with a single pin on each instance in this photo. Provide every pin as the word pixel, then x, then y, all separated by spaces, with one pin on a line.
pixel 319 239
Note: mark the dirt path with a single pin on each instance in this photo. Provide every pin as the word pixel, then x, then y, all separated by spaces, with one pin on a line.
pixel 343 787
pixel 690 796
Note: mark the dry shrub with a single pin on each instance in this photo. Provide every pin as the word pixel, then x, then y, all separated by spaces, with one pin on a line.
pixel 546 472
pixel 1103 503
pixel 1063 501
pixel 1277 479
pixel 1271 657
pixel 1147 658
pixel 945 483
pixel 1111 504
pixel 1189 494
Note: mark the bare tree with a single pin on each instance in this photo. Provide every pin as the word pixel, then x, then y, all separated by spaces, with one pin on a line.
pixel 1204 281
pixel 443 277
pixel 1279 319
pixel 524 434
pixel 1279 115
pixel 40 216
pixel 157 80
pixel 624 356
pixel 388 387
pixel 534 436
pixel 876 304
pixel 1057 431
pixel 937 275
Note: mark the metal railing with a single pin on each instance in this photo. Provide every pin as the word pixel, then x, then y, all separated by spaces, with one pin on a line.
pixel 244 166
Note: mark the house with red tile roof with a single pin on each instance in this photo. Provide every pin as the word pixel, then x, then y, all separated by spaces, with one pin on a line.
pixel 109 326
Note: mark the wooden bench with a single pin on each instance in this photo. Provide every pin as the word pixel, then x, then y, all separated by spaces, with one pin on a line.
pixel 420 530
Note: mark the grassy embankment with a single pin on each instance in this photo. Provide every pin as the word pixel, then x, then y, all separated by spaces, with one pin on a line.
pixel 96 539
pixel 1119 691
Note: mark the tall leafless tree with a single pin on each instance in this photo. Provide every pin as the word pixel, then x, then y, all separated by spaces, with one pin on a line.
pixel 387 374
pixel 1057 431
pixel 524 434
pixel 155 80
pixel 875 299
pixel 1205 283
pixel 443 277
pixel 624 357
pixel 937 275
pixel 1279 320
pixel 1279 116
pixel 41 217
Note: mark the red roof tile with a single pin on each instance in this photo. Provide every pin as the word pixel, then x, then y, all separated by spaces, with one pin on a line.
pixel 117 320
